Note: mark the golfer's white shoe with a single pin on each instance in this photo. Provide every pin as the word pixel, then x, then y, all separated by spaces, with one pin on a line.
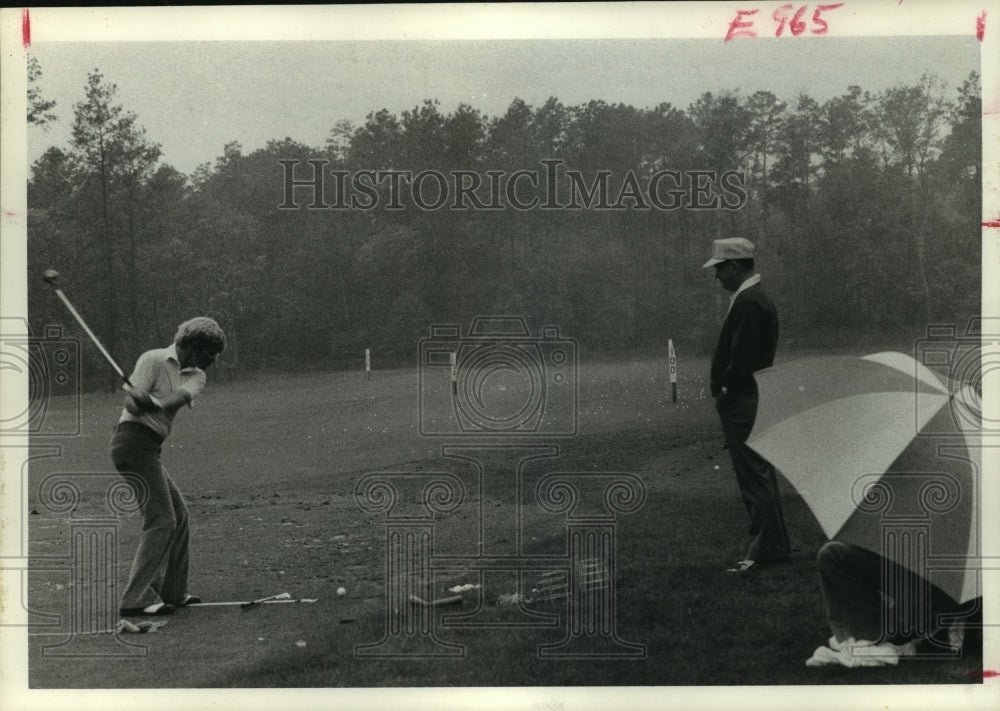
pixel 189 599
pixel 159 608
pixel 743 566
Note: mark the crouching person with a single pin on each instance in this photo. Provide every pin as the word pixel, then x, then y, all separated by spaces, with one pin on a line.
pixel 879 611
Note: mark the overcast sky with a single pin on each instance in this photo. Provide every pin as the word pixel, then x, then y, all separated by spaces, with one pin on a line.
pixel 194 97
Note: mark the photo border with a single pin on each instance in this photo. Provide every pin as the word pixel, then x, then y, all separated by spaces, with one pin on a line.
pixel 421 22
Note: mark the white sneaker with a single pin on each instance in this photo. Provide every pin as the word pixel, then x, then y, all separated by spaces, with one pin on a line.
pixel 742 566
pixel 875 655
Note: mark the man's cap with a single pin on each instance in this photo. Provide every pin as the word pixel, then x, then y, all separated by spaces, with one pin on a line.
pixel 730 248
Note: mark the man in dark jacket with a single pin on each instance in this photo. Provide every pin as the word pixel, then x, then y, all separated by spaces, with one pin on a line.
pixel 747 344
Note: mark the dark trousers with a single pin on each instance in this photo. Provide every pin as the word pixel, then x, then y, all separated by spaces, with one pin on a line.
pixel 160 567
pixel 755 477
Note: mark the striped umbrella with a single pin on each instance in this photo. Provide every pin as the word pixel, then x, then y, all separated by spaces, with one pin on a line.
pixel 885 456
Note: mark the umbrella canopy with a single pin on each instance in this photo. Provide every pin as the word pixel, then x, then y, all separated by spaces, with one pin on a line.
pixel 885 456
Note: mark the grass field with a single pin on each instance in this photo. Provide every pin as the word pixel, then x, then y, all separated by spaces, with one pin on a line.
pixel 269 467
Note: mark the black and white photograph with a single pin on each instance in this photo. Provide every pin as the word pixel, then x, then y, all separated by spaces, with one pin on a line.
pixel 541 355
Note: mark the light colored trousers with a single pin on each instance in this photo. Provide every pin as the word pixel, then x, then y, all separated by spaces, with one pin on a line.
pixel 160 567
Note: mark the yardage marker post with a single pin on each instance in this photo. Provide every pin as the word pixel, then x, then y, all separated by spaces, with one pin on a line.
pixel 368 364
pixel 672 361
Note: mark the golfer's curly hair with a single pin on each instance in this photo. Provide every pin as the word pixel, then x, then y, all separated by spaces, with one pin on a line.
pixel 201 332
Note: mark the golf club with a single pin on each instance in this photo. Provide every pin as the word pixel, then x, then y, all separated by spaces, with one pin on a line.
pixel 451 600
pixel 261 601
pixel 51 276
pixel 282 599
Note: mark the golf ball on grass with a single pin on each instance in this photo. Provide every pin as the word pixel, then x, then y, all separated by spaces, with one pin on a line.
pixel 341 592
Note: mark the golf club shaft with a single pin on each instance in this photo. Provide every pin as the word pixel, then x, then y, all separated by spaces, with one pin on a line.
pixel 244 603
pixel 416 600
pixel 90 333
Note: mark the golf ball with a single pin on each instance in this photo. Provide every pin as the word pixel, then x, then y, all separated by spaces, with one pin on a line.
pixel 341 592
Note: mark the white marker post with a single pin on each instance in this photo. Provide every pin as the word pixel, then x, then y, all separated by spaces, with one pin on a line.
pixel 368 364
pixel 672 361
pixel 454 374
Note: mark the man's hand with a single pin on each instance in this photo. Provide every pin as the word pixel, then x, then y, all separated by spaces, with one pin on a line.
pixel 141 400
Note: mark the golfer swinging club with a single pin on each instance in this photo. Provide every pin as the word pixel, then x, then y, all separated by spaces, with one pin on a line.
pixel 164 380
pixel 747 343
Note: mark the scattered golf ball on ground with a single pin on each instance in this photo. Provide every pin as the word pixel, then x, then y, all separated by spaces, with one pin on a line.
pixel 341 592
pixel 716 467
pixel 301 643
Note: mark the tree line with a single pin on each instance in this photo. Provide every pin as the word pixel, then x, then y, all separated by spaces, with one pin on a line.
pixel 865 209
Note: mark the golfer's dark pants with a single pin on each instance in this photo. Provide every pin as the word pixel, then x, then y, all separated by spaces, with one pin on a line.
pixel 756 478
pixel 854 581
pixel 160 567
